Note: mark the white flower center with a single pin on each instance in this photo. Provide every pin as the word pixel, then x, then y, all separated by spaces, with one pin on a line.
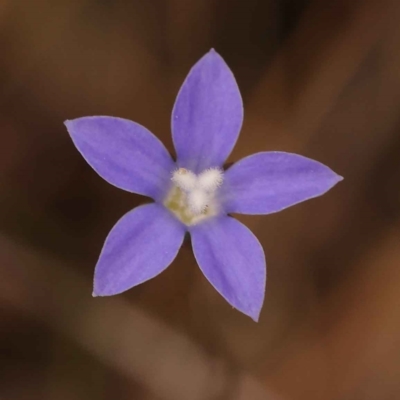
pixel 193 197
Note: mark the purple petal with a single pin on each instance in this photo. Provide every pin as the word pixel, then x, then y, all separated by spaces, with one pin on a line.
pixel 142 244
pixel 124 153
pixel 268 182
pixel 233 260
pixel 207 115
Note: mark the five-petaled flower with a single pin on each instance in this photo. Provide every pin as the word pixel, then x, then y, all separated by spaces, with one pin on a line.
pixel 194 194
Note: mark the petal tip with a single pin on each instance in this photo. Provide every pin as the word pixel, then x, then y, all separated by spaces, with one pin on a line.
pixel 213 54
pixel 101 286
pixel 254 314
pixel 336 179
pixel 255 318
pixel 68 122
pixel 101 290
pixel 71 121
pixel 102 293
pixel 96 292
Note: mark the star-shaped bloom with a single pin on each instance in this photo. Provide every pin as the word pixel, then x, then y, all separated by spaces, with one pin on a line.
pixel 194 193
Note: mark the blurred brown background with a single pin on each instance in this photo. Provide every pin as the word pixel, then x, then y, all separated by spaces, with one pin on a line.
pixel 321 78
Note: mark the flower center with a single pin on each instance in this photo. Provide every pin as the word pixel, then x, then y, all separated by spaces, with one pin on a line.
pixel 192 197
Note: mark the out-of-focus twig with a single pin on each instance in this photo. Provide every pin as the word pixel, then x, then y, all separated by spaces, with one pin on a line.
pixel 122 336
pixel 312 69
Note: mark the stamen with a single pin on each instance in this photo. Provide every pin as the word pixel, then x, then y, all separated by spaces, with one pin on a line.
pixel 184 179
pixel 197 201
pixel 210 179
pixel 193 197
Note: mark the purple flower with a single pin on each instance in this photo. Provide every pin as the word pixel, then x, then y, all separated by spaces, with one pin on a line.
pixel 194 194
